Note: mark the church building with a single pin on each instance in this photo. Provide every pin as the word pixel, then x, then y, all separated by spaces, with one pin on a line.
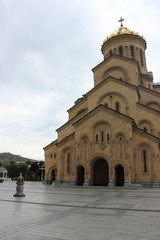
pixel 112 136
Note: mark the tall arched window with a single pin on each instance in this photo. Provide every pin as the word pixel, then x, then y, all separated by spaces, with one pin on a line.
pixel 141 57
pixel 96 138
pixel 108 137
pixel 68 162
pixel 144 155
pixel 110 53
pixel 102 136
pixel 132 52
pixel 120 51
pixel 117 106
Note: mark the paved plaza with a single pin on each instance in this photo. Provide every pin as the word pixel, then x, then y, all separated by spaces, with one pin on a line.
pixel 52 213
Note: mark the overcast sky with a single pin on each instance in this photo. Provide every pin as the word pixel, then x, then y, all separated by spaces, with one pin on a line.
pixel 47 51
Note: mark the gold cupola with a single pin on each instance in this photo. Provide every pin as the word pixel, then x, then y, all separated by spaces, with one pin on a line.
pixel 126 43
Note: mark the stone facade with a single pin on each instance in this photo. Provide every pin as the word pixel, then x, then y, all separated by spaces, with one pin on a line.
pixel 112 136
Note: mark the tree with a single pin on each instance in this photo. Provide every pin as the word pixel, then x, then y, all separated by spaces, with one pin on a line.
pixel 34 171
pixel 13 170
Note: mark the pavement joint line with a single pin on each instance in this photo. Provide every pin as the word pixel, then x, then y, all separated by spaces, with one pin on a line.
pixel 79 206
pixel 55 193
pixel 92 195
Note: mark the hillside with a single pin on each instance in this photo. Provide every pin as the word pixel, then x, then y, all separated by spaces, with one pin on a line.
pixel 9 157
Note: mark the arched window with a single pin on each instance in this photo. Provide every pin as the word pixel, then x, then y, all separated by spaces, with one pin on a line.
pixel 110 53
pixel 68 162
pixel 141 57
pixel 108 137
pixel 144 155
pixel 120 51
pixel 102 136
pixel 117 106
pixel 96 138
pixel 132 52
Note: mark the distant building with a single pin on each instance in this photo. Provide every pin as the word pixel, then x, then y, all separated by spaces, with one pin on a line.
pixel 112 136
pixel 3 174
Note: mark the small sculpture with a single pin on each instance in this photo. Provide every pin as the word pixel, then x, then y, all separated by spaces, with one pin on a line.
pixel 19 188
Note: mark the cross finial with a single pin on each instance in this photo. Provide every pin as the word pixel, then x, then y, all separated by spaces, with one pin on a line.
pixel 121 20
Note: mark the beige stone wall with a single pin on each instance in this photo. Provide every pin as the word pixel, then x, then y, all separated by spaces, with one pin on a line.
pixel 142 141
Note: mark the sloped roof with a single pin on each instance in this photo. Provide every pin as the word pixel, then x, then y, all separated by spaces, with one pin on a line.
pixel 111 110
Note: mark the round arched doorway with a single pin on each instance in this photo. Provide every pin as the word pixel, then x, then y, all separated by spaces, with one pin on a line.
pixel 80 175
pixel 53 175
pixel 119 174
pixel 100 172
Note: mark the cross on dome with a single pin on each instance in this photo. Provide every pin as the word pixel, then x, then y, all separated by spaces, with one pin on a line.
pixel 121 20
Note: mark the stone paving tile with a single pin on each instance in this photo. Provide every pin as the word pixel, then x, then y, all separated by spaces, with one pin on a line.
pixel 48 213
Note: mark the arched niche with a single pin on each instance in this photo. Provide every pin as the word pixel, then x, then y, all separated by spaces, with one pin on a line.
pixel 111 99
pixel 145 125
pixel 67 157
pixel 116 72
pixel 144 154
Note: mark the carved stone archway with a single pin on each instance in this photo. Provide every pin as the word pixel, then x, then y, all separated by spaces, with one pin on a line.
pixel 100 172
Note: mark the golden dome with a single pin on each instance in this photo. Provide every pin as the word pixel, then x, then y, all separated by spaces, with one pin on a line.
pixel 122 31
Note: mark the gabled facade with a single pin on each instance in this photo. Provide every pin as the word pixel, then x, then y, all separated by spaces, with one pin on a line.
pixel 112 136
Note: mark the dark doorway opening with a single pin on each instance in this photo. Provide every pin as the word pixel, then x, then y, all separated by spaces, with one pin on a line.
pixel 53 175
pixel 100 173
pixel 80 175
pixel 119 170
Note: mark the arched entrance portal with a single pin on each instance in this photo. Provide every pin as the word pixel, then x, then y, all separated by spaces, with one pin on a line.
pixel 53 175
pixel 100 173
pixel 119 172
pixel 80 175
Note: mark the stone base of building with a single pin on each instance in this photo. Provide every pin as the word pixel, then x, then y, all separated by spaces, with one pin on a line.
pixel 47 182
pixel 155 184
pixel 72 183
pixel 111 184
